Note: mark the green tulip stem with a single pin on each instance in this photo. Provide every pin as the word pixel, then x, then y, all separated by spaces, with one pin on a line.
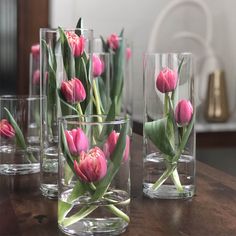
pixel 166 104
pixel 79 109
pixel 97 98
pixel 163 177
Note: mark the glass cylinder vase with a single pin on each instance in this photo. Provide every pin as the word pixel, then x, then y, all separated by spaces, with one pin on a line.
pixel 168 130
pixel 65 67
pixel 94 175
pixel 20 134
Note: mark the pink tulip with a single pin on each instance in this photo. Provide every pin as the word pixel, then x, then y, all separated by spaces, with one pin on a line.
pixel 36 77
pixel 113 41
pixel 98 66
pixel 35 50
pixel 6 129
pixel 183 112
pixel 77 43
pixel 166 80
pixel 77 141
pixel 92 166
pixel 110 145
pixel 73 90
pixel 128 53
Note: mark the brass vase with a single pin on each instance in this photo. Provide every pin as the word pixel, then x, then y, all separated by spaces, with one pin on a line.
pixel 216 109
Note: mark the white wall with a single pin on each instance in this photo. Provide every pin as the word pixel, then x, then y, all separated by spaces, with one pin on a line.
pixel 138 16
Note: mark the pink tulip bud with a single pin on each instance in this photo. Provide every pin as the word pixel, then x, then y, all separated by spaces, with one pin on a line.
pixel 113 41
pixel 77 141
pixel 128 53
pixel 166 80
pixel 77 43
pixel 35 50
pixel 92 166
pixel 183 112
pixel 36 77
pixel 98 66
pixel 73 90
pixel 110 145
pixel 6 129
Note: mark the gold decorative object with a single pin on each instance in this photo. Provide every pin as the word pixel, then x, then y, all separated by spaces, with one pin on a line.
pixel 217 109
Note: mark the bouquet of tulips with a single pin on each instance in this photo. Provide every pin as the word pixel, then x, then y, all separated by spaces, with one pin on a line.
pixel 94 157
pixel 170 134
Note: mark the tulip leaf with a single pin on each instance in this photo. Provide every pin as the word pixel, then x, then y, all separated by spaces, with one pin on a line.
pixel 118 69
pixel 65 149
pixel 103 91
pixel 157 133
pixel 104 45
pixel 63 209
pixel 51 83
pixel 81 71
pixel 68 58
pixel 79 25
pixel 114 165
pixel 20 140
pixel 66 108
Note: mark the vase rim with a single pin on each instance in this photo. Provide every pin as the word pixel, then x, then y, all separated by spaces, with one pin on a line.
pixel 76 119
pixel 168 53
pixel 64 28
pixel 15 97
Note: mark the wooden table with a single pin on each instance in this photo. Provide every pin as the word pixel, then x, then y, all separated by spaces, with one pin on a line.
pixel 24 212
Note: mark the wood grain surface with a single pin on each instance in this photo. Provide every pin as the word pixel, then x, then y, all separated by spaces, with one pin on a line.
pixel 24 212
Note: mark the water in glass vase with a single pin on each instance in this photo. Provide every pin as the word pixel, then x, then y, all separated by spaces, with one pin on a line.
pixel 102 220
pixel 49 173
pixel 154 167
pixel 19 162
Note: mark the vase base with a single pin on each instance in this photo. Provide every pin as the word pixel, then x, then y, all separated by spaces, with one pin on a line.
pixel 168 192
pixel 19 169
pixel 49 190
pixel 98 226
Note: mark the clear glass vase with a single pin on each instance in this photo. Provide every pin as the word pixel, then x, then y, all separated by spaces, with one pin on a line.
pixel 169 136
pixel 64 56
pixel 20 134
pixel 94 175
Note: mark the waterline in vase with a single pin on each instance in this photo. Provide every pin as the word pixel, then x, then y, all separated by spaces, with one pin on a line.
pixel 100 221
pixel 49 173
pixel 154 167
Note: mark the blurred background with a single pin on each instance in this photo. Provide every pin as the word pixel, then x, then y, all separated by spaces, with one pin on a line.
pixel 204 27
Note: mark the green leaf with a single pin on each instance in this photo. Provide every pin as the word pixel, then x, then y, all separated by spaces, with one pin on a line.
pixel 79 25
pixel 116 89
pixel 65 149
pixel 185 138
pixel 104 45
pixel 79 189
pixel 66 108
pixel 113 166
pixel 51 83
pixel 81 69
pixel 19 135
pixel 20 140
pixel 156 132
pixel 68 58
pixel 63 209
